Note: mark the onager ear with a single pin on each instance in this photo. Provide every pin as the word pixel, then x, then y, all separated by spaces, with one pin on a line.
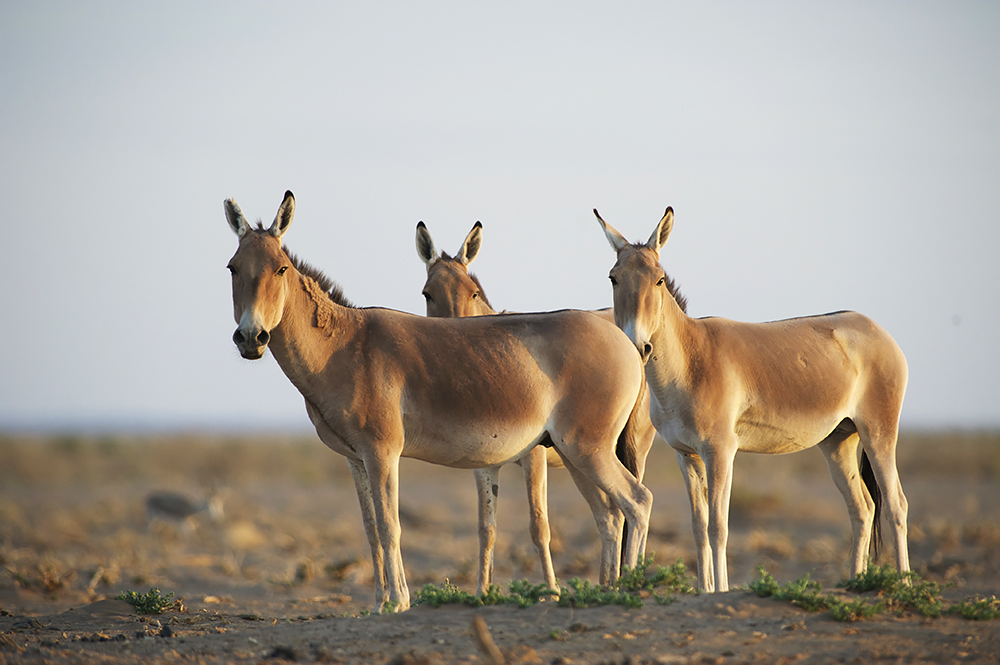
pixel 237 222
pixel 662 231
pixel 617 240
pixel 425 246
pixel 284 217
pixel 470 248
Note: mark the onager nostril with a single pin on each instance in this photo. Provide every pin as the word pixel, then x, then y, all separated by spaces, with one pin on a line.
pixel 238 337
pixel 263 338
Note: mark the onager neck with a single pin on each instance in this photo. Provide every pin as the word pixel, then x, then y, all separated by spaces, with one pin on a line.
pixel 313 327
pixel 675 350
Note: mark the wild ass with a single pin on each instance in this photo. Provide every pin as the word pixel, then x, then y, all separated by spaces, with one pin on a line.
pixel 720 386
pixel 468 393
pixel 451 291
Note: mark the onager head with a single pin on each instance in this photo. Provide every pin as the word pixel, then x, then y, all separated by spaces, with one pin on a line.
pixel 260 276
pixel 641 287
pixel 450 291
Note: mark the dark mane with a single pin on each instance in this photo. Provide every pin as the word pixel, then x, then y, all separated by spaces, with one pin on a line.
pixel 331 288
pixel 675 291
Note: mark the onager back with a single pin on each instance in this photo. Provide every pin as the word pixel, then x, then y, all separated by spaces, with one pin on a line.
pixel 720 386
pixel 468 393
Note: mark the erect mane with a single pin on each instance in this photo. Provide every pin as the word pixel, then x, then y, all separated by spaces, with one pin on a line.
pixel 679 297
pixel 330 287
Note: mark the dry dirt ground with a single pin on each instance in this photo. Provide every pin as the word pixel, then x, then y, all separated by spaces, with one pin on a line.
pixel 286 573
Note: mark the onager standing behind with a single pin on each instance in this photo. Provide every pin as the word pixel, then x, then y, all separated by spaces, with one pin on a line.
pixel 451 291
pixel 458 294
pixel 720 386
pixel 467 393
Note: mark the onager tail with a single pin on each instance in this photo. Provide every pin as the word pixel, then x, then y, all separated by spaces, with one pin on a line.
pixel 868 476
pixel 626 452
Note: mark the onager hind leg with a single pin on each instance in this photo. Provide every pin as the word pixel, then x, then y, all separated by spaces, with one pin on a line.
pixel 880 444
pixel 609 524
pixel 620 492
pixel 841 452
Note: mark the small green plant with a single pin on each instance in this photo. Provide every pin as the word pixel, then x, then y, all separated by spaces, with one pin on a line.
pixel 877 578
pixel 446 594
pixel 522 594
pixel 899 591
pixel 389 607
pixel 674 578
pixel 804 592
pixel 493 596
pixel 977 609
pixel 765 585
pixel 635 579
pixel 581 593
pixel 842 610
pixel 152 602
pixel 525 594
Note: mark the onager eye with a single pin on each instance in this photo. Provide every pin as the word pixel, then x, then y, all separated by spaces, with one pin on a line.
pixel 660 283
pixel 475 295
pixel 427 297
pixel 281 270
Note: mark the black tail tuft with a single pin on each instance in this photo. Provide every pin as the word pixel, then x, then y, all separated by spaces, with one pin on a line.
pixel 868 476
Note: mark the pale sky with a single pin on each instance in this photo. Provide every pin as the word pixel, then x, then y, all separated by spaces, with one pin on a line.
pixel 818 156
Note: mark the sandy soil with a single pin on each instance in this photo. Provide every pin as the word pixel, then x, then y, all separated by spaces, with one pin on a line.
pixel 286 574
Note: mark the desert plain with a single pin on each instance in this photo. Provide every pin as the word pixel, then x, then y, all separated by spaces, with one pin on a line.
pixel 285 573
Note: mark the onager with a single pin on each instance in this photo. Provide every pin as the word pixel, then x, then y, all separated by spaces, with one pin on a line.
pixel 720 386
pixel 467 393
pixel 452 291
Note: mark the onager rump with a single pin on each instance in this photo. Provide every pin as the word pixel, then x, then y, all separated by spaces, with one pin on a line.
pixel 720 386
pixel 469 393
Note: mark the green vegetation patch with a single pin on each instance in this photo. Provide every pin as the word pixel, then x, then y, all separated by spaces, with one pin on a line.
pixel 151 602
pixel 632 586
pixel 895 592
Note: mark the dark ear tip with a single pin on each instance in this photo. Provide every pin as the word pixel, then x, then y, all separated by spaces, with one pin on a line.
pixel 477 225
pixel 289 195
pixel 421 225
